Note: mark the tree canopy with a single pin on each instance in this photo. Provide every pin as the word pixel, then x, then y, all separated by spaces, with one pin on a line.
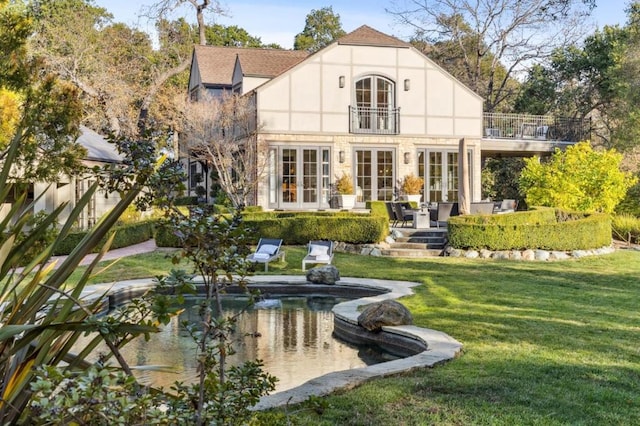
pixel 37 109
pixel 322 27
pixel 487 44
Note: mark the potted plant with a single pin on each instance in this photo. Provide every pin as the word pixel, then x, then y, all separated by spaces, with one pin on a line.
pixel 344 188
pixel 411 186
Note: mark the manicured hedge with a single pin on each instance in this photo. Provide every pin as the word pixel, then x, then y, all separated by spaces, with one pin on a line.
pixel 377 208
pixel 301 227
pixel 126 235
pixel 540 228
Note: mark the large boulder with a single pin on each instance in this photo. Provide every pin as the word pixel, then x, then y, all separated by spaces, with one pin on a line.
pixel 388 312
pixel 327 274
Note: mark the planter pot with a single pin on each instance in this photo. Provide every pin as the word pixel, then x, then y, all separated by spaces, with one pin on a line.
pixel 346 201
pixel 413 197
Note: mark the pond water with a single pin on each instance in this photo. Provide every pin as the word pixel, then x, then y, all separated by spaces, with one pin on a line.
pixel 293 339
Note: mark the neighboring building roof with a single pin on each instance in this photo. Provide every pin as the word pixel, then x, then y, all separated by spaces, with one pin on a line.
pixel 98 148
pixel 367 36
pixel 216 63
pixel 269 63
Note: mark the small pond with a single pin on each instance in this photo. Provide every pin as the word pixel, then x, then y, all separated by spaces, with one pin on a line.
pixel 294 340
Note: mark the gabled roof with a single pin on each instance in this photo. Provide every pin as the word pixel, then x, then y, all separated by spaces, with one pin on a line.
pixel 269 62
pixel 98 148
pixel 367 36
pixel 216 63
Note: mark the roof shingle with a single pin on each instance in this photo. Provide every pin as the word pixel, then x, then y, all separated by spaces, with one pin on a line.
pixel 216 63
pixel 367 36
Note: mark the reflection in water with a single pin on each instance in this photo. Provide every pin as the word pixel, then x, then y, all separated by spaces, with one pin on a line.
pixel 294 341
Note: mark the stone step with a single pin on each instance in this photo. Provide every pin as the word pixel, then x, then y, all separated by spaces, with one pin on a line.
pixel 412 253
pixel 419 246
pixel 423 240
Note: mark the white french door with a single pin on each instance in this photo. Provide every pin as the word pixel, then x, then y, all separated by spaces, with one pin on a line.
pixel 300 177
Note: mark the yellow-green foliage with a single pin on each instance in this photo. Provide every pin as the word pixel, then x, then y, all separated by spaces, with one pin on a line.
pixel 377 208
pixel 578 179
pixel 626 227
pixel 542 228
pixel 9 115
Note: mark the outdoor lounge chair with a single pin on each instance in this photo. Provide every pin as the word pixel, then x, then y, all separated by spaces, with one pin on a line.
pixel 319 251
pixel 268 249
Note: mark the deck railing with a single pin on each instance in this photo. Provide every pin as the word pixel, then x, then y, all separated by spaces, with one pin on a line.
pixel 536 127
pixel 380 121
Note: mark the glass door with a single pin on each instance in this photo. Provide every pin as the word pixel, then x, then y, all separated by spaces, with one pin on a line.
pixel 374 175
pixel 304 179
pixel 439 169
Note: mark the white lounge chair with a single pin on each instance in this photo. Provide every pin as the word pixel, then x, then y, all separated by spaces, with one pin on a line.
pixel 268 249
pixel 318 252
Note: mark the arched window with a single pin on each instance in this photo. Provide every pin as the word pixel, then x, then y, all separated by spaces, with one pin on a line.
pixel 375 110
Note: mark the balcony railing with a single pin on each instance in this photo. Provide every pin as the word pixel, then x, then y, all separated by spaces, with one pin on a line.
pixel 379 121
pixel 536 127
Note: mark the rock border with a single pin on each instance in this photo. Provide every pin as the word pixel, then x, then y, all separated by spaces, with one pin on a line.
pixel 527 255
pixel 440 346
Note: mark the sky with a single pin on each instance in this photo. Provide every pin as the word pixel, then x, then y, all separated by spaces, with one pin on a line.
pixel 278 21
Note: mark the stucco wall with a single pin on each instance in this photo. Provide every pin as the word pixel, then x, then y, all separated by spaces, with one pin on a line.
pixel 308 98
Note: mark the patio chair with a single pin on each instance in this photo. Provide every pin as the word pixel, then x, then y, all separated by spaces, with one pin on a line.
pixel 402 214
pixel 481 207
pixel 318 251
pixel 268 249
pixel 508 206
pixel 393 218
pixel 444 212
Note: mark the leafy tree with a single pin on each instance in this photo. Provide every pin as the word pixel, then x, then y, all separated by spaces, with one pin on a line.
pixel 322 27
pixel 537 94
pixel 232 35
pixel 500 178
pixel 490 42
pixel 38 111
pixel 579 178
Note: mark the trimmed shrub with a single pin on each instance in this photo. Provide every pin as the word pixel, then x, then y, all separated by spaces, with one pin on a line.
pixel 301 227
pixel 541 228
pixel 126 235
pixel 377 208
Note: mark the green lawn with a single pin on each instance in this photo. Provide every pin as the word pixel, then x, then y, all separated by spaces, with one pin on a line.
pixel 544 343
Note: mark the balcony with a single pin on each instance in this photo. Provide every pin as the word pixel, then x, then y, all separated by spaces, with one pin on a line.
pixel 523 127
pixel 377 121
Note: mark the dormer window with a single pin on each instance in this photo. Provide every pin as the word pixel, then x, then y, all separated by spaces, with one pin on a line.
pixel 374 110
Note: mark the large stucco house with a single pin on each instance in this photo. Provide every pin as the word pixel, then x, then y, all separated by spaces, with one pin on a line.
pixel 369 105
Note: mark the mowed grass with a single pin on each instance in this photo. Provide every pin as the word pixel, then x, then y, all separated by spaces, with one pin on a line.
pixel 554 343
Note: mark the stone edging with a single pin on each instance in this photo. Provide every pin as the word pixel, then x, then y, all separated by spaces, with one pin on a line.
pixel 440 346
pixel 527 255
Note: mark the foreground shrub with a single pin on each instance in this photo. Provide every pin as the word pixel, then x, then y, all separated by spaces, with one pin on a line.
pixel 542 228
pixel 125 236
pixel 626 227
pixel 578 178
